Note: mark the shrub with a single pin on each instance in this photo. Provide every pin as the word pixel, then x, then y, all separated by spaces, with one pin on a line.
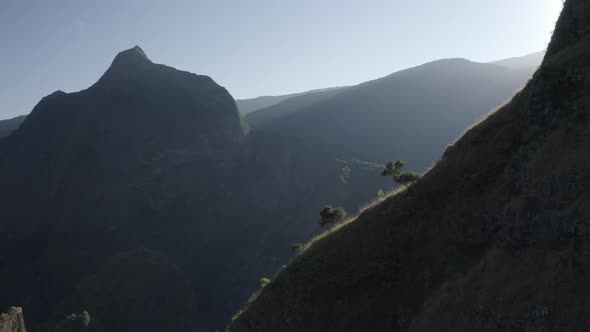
pixel 296 248
pixel 264 282
pixel 394 169
pixel 330 215
pixel 74 323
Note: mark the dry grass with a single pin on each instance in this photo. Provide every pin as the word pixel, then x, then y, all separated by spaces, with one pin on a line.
pixel 327 233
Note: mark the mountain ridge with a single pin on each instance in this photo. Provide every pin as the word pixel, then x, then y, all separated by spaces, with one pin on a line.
pixel 391 108
pixel 521 62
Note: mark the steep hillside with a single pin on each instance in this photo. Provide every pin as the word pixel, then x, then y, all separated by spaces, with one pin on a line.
pixel 142 197
pixel 247 106
pixel 424 107
pixel 9 125
pixel 494 238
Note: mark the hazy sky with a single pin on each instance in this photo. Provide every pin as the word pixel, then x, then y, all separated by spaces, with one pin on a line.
pixel 255 47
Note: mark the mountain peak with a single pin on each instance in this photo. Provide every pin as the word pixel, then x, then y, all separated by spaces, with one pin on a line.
pixel 132 56
pixel 126 65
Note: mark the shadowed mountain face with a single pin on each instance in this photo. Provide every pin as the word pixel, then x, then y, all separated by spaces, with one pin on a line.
pixel 410 115
pixel 142 197
pixel 138 116
pixel 10 125
pixel 493 238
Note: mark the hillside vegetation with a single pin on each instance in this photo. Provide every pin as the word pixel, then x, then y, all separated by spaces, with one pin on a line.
pixel 494 238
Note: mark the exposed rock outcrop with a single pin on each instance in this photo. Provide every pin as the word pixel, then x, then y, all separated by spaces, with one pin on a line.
pixel 12 321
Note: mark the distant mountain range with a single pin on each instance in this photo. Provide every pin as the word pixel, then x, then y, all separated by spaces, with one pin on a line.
pixel 527 62
pixel 247 106
pixel 411 115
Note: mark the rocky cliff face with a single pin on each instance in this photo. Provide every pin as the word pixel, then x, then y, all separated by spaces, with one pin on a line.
pixel 12 321
pixel 494 238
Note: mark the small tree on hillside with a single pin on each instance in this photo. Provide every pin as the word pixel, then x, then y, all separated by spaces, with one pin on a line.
pixel 330 215
pixel 394 169
pixel 296 247
pixel 264 282
pixel 74 323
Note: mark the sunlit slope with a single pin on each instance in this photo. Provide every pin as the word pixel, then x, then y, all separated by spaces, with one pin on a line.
pixel 494 238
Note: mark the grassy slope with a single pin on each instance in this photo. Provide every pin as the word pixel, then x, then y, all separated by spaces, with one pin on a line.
pixel 493 238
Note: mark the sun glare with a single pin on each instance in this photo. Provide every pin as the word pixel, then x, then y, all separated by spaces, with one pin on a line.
pixel 555 7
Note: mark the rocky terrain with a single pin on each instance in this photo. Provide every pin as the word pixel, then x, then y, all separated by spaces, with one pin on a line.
pixel 12 321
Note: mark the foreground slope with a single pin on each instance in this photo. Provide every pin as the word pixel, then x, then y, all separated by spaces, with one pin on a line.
pixel 494 238
pixel 411 115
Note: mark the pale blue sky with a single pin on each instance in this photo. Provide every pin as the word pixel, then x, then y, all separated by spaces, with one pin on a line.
pixel 255 47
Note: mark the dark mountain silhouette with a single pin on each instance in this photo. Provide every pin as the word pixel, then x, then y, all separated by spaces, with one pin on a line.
pixel 412 114
pixel 141 196
pixel 9 125
pixel 246 106
pixel 138 115
pixel 528 61
pixel 493 238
